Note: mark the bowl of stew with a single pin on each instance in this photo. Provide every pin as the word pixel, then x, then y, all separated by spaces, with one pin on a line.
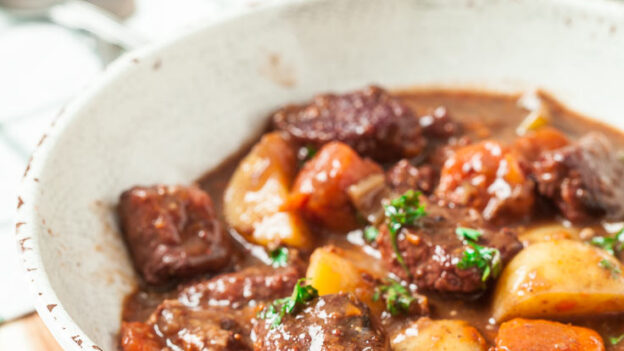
pixel 342 175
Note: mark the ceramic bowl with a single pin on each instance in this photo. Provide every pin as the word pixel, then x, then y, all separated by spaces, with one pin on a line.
pixel 168 113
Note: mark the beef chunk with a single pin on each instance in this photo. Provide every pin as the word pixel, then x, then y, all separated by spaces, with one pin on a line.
pixel 174 326
pixel 215 314
pixel 585 179
pixel 371 121
pixel 328 323
pixel 172 231
pixel 257 283
pixel 489 177
pixel 432 250
pixel 438 124
pixel 320 189
pixel 404 176
pixel 205 329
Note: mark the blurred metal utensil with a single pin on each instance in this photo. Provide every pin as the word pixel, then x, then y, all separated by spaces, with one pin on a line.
pixel 79 15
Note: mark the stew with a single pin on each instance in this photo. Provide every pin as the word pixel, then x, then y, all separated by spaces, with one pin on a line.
pixel 412 220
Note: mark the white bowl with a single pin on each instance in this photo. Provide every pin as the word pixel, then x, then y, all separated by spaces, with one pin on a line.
pixel 169 113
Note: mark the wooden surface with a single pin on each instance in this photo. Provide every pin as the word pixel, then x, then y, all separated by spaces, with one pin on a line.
pixel 27 334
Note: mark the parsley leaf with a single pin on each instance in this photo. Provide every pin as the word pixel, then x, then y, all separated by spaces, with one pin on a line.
pixel 279 257
pixel 614 340
pixel 612 244
pixel 608 265
pixel 370 234
pixel 467 233
pixel 397 298
pixel 276 311
pixel 486 259
pixel 306 153
pixel 403 211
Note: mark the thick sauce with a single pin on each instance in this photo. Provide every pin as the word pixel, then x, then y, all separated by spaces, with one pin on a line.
pixel 483 116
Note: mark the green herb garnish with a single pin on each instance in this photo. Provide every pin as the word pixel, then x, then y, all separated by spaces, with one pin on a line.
pixel 370 234
pixel 608 265
pixel 279 257
pixel 402 212
pixel 276 311
pixel 486 259
pixel 614 340
pixel 397 298
pixel 611 244
pixel 468 234
pixel 306 153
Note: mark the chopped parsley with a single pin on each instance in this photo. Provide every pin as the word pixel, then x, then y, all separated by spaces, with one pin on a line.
pixel 306 153
pixel 275 312
pixel 279 257
pixel 402 212
pixel 370 233
pixel 614 340
pixel 608 265
pixel 486 259
pixel 467 233
pixel 612 244
pixel 397 298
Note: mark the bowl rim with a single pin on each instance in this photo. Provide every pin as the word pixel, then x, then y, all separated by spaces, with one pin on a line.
pixel 48 306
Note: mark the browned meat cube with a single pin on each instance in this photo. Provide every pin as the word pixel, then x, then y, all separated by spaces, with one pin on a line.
pixel 172 232
pixel 432 250
pixel 438 124
pixel 214 314
pixel 320 189
pixel 213 328
pixel 337 322
pixel 585 179
pixel 256 283
pixel 403 176
pixel 371 121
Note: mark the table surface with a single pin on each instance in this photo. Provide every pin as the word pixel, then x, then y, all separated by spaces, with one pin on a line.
pixel 27 334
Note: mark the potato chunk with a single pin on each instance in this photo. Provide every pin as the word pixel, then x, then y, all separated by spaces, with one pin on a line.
pixel 539 335
pixel 331 271
pixel 547 232
pixel 320 189
pixel 440 335
pixel 257 191
pixel 559 278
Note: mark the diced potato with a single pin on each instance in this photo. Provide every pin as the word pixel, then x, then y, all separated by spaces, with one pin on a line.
pixel 257 192
pixel 559 278
pixel 320 189
pixel 332 271
pixel 548 232
pixel 539 335
pixel 440 335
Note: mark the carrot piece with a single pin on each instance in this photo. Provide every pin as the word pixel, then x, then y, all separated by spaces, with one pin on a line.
pixel 540 335
pixel 137 336
pixel 544 139
pixel 320 190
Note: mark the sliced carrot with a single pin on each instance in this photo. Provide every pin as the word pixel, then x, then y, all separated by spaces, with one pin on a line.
pixel 320 189
pixel 540 335
pixel 137 336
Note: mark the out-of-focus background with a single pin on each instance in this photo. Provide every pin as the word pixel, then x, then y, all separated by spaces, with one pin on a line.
pixel 49 51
